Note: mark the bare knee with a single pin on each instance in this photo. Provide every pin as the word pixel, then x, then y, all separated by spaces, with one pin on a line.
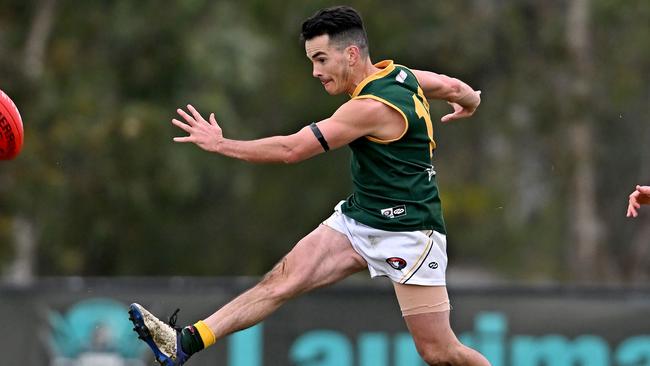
pixel 281 283
pixel 441 355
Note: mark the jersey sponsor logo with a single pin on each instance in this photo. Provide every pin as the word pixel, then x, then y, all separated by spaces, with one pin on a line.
pixel 401 77
pixel 433 265
pixel 393 212
pixel 396 262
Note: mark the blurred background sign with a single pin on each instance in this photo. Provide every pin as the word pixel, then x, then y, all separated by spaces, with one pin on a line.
pixel 79 322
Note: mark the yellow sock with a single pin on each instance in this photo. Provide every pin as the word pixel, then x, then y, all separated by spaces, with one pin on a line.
pixel 206 334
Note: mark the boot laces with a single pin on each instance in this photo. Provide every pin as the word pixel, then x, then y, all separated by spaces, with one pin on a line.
pixel 173 319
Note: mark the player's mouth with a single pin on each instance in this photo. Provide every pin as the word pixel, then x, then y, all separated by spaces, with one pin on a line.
pixel 325 82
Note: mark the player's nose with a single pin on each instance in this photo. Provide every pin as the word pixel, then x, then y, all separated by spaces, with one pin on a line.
pixel 316 73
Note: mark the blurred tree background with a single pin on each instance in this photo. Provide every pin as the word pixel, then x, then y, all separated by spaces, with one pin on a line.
pixel 534 186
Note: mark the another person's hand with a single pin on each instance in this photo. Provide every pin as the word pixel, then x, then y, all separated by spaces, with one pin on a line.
pixel 206 135
pixel 641 196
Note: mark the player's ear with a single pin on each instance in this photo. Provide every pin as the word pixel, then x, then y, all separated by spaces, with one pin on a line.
pixel 352 54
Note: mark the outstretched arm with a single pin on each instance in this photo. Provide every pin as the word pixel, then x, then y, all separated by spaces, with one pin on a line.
pixel 641 196
pixel 209 136
pixel 459 95
pixel 351 121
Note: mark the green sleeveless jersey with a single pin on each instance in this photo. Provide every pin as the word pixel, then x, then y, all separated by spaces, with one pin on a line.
pixel 394 181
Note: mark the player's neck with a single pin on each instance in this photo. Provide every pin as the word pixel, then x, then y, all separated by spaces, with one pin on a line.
pixel 365 69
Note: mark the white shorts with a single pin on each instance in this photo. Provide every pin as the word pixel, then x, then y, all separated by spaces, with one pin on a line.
pixel 407 257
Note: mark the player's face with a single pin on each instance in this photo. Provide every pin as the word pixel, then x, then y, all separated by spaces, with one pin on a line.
pixel 330 65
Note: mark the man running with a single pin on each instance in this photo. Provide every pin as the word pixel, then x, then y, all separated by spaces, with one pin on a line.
pixel 392 223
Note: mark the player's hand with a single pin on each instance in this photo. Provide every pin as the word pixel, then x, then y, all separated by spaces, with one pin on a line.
pixel 639 197
pixel 461 111
pixel 206 135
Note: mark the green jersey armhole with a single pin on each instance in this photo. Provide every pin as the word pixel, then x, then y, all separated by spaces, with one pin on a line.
pixel 384 101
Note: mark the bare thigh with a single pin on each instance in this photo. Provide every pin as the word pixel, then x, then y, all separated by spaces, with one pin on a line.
pixel 321 258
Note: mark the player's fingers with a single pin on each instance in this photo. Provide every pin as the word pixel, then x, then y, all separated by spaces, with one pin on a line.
pixel 461 113
pixel 195 113
pixel 183 139
pixel 453 116
pixel 186 117
pixel 457 107
pixel 183 126
pixel 643 189
pixel 447 117
pixel 630 209
pixel 213 120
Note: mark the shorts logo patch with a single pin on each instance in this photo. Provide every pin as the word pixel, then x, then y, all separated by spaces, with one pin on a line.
pixel 396 262
pixel 433 265
pixel 393 212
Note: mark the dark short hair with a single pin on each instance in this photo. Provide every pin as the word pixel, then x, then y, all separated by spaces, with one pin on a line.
pixel 342 24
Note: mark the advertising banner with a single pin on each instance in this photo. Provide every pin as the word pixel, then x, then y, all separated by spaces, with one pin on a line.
pixel 84 322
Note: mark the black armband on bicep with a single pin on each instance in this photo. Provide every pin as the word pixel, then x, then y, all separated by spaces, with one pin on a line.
pixel 319 136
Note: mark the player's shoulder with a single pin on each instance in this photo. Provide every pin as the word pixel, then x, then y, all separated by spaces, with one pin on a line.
pixel 401 78
pixel 402 67
pixel 406 73
pixel 365 110
pixel 362 107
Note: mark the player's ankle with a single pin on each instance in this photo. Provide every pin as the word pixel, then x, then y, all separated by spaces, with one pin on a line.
pixel 191 341
pixel 196 337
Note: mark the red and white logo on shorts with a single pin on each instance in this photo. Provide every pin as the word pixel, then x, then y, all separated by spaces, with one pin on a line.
pixel 396 262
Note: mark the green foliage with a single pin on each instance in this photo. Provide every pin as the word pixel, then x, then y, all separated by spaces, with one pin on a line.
pixel 109 193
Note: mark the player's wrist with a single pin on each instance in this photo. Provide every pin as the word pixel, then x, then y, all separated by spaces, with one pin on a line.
pixel 219 145
pixel 469 99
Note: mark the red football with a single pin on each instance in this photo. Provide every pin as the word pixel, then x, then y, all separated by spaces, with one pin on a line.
pixel 11 128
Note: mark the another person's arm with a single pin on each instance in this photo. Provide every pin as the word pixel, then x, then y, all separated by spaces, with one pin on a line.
pixel 641 196
pixel 458 94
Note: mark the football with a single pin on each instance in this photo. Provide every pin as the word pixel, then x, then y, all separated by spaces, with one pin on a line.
pixel 11 128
